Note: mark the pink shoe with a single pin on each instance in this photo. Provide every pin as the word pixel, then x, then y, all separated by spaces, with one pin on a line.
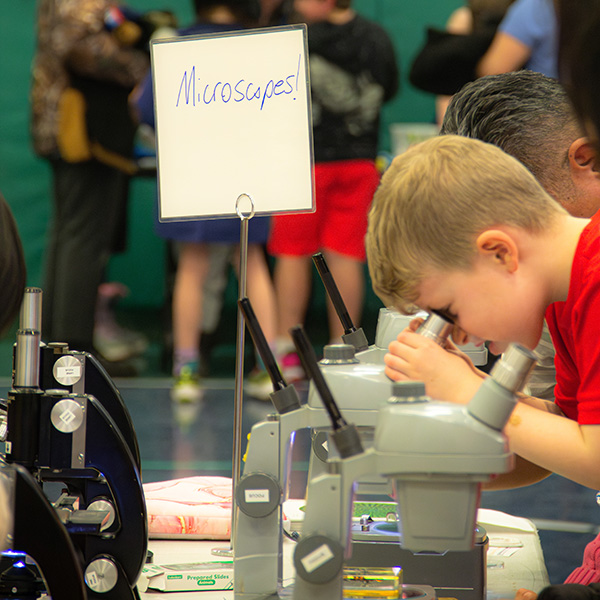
pixel 291 368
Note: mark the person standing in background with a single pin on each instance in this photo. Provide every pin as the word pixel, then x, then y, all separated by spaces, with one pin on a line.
pixel 82 76
pixel 198 240
pixel 448 58
pixel 526 38
pixel 353 71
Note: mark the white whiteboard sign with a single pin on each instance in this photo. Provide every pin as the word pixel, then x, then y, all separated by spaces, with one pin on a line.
pixel 233 117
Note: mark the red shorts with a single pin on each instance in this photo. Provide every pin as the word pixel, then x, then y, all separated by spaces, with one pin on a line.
pixel 343 193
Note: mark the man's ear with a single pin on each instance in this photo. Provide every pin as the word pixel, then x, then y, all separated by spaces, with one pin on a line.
pixel 583 156
pixel 499 247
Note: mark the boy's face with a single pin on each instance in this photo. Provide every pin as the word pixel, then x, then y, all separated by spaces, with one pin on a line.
pixel 487 303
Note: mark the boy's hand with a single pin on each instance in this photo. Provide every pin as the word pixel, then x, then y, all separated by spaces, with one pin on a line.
pixel 448 374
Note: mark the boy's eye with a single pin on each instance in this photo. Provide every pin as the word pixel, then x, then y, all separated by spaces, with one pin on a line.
pixel 447 314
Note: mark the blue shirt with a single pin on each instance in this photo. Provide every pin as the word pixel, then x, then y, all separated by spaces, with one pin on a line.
pixel 534 23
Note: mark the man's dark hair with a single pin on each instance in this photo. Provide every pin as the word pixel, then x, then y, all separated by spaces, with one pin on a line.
pixel 526 114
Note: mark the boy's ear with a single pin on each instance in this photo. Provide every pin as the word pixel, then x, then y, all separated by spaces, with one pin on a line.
pixel 499 247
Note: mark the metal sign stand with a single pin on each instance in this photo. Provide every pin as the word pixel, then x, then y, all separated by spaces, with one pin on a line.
pixel 245 217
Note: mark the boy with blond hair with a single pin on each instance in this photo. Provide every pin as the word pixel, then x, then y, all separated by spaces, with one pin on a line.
pixel 460 227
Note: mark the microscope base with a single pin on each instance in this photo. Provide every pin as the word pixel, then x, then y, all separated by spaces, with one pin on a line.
pixel 460 575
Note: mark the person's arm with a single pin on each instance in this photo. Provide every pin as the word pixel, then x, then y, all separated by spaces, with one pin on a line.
pixel 506 53
pixel 536 429
pixel 459 23
pixel 524 473
pixel 556 443
pixel 141 101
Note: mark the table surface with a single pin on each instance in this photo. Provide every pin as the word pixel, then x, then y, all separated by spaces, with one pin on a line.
pixel 515 559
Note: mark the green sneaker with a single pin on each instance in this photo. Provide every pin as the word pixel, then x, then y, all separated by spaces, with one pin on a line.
pixel 258 384
pixel 187 386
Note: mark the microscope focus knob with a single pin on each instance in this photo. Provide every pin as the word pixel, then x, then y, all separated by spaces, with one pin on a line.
pixel 101 575
pixel 104 505
pixel 339 354
pixel 67 415
pixel 320 444
pixel 258 494
pixel 318 558
pixel 408 391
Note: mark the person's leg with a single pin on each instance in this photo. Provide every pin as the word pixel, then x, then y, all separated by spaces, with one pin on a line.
pixel 347 189
pixel 294 239
pixel 293 281
pixel 261 292
pixel 219 257
pixel 192 268
pixel 349 277
pixel 87 200
pixel 213 292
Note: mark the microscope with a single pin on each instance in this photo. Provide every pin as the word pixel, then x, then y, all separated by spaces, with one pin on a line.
pixel 264 484
pixel 77 372
pixel 436 454
pixel 68 437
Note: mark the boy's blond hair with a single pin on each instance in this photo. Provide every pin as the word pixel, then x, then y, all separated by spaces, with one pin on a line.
pixel 433 202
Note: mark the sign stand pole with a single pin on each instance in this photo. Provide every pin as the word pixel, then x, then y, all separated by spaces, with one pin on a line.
pixel 239 372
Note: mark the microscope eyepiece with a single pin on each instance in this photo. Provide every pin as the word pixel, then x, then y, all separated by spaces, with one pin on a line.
pixel 436 328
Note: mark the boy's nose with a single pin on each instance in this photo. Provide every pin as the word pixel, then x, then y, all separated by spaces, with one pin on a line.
pixel 461 337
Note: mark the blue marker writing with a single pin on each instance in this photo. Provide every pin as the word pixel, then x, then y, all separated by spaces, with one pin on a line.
pixel 242 90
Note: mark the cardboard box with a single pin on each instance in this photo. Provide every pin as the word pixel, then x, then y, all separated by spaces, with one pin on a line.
pixel 189 577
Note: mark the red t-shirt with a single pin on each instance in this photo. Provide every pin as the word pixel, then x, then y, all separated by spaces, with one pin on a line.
pixel 575 329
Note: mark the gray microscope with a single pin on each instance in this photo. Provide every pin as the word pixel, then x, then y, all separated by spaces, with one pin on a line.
pixel 436 454
pixel 263 487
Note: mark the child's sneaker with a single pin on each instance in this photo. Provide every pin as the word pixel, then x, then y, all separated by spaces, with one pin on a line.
pixel 187 386
pixel 258 384
pixel 291 368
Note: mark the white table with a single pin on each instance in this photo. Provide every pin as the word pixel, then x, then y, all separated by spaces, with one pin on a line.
pixel 515 559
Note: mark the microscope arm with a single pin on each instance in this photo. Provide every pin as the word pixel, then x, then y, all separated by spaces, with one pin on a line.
pixel 320 553
pixel 352 335
pixel 81 446
pixel 260 493
pixel 257 541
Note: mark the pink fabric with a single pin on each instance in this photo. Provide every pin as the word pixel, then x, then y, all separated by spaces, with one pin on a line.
pixel 589 571
pixel 194 506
